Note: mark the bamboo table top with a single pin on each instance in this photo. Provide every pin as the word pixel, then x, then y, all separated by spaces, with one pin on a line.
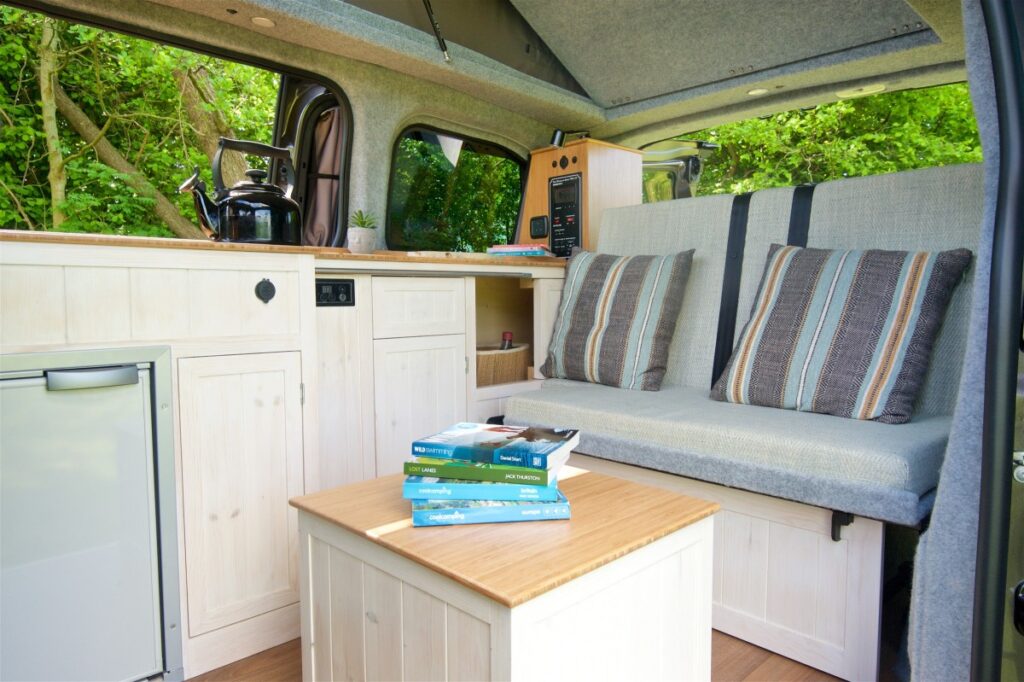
pixel 514 562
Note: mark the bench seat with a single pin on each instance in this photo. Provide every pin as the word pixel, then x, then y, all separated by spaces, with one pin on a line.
pixel 787 577
pixel 881 471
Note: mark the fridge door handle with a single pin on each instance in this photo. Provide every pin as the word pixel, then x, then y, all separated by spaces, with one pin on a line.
pixel 93 377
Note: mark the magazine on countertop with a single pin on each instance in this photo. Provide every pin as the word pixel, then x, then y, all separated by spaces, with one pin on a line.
pixel 519 250
pixel 526 446
pixel 458 512
pixel 429 488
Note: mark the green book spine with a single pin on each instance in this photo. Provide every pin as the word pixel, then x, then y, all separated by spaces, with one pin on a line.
pixel 475 471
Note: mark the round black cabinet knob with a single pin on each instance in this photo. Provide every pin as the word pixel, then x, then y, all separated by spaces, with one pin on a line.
pixel 563 162
pixel 265 290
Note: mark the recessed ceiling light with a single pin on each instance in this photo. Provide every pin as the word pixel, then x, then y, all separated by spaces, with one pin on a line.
pixel 870 89
pixel 757 91
pixel 263 21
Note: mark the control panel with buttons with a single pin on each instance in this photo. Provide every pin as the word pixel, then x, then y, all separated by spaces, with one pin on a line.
pixel 335 292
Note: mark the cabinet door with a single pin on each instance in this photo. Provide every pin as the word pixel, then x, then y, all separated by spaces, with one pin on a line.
pixel 418 306
pixel 419 389
pixel 241 460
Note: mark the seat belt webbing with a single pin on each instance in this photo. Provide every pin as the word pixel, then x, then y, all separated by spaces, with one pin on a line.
pixel 731 283
pixel 800 215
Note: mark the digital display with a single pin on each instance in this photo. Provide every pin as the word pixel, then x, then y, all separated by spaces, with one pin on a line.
pixel 564 194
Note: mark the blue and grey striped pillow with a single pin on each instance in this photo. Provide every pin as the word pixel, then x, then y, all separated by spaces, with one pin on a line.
pixel 616 319
pixel 847 333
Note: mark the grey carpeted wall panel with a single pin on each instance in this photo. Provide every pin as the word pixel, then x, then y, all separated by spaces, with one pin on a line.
pixel 943 595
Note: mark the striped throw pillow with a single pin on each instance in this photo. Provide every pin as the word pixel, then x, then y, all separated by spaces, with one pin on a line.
pixel 847 333
pixel 616 319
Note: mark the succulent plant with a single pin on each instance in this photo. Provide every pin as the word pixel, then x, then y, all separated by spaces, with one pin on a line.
pixel 360 219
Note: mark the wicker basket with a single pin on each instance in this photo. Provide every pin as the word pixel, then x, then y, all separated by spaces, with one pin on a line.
pixel 496 366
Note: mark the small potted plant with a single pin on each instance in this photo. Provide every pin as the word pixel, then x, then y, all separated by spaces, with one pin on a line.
pixel 362 232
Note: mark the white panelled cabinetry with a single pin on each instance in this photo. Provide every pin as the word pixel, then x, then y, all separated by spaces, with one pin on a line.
pixel 241 445
pixel 420 362
pixel 271 399
pixel 420 388
pixel 244 441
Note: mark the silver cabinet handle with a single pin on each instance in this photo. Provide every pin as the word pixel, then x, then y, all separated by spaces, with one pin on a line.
pixel 93 377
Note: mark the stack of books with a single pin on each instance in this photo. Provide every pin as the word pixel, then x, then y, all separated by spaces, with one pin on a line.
pixel 519 250
pixel 486 473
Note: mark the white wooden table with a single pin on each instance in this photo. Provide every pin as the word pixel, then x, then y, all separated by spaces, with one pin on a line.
pixel 620 591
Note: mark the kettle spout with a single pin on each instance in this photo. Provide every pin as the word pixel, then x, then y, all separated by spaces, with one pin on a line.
pixel 206 209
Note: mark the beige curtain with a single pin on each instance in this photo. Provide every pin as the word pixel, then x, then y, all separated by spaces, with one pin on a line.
pixel 321 218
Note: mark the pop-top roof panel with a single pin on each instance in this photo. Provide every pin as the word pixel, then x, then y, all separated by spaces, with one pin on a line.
pixel 630 51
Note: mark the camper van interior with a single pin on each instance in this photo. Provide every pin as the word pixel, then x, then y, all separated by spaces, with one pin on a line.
pixel 254 253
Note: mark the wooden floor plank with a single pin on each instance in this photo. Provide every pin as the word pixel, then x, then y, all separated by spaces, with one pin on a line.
pixel 732 660
pixel 281 664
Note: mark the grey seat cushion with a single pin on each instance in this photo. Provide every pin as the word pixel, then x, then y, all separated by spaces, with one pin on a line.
pixel 881 471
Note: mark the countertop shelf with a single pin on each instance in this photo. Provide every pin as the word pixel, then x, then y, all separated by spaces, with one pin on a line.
pixel 319 252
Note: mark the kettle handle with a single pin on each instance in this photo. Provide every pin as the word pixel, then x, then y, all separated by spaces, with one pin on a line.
pixel 256 149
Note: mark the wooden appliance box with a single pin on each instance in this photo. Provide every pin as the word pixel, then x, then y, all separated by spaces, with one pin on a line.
pixel 570 187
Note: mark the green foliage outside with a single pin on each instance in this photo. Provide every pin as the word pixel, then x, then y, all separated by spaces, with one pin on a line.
pixel 434 206
pixel 130 82
pixel 866 136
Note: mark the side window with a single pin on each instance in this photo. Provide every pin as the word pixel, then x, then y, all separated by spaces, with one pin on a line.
pixel 99 129
pixel 451 193
pixel 872 135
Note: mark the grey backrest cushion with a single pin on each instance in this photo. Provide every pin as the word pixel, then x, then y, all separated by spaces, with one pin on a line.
pixel 669 227
pixel 931 209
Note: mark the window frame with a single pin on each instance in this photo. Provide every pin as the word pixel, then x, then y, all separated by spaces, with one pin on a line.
pixel 524 167
pixel 160 38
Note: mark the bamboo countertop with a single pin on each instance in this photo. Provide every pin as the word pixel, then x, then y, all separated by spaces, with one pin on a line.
pixel 323 252
pixel 514 562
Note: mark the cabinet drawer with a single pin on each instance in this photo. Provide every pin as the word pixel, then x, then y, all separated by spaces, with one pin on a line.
pixel 418 306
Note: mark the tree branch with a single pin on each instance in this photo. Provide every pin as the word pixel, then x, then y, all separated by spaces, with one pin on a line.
pixel 106 152
pixel 89 145
pixel 18 205
pixel 47 86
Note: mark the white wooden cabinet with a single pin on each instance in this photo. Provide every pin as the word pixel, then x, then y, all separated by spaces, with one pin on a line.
pixel 419 389
pixel 241 461
pixel 420 361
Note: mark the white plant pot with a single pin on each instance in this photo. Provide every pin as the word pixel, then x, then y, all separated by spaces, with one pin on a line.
pixel 362 239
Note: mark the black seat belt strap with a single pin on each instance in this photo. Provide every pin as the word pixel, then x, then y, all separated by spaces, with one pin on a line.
pixel 800 215
pixel 731 283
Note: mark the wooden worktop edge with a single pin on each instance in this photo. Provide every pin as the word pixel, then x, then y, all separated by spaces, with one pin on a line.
pixel 322 252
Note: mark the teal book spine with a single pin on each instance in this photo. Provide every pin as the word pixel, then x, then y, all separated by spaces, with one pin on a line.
pixel 454 512
pixel 426 488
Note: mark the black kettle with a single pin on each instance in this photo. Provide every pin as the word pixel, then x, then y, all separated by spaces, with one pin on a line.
pixel 252 211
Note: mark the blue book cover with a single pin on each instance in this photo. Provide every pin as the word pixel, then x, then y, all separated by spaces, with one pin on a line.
pixel 526 446
pixel 430 488
pixel 458 512
pixel 524 252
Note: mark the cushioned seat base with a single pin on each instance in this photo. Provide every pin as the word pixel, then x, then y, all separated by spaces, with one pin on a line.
pixel 881 471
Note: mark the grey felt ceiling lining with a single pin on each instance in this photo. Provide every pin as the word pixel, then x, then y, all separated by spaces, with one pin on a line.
pixel 628 51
